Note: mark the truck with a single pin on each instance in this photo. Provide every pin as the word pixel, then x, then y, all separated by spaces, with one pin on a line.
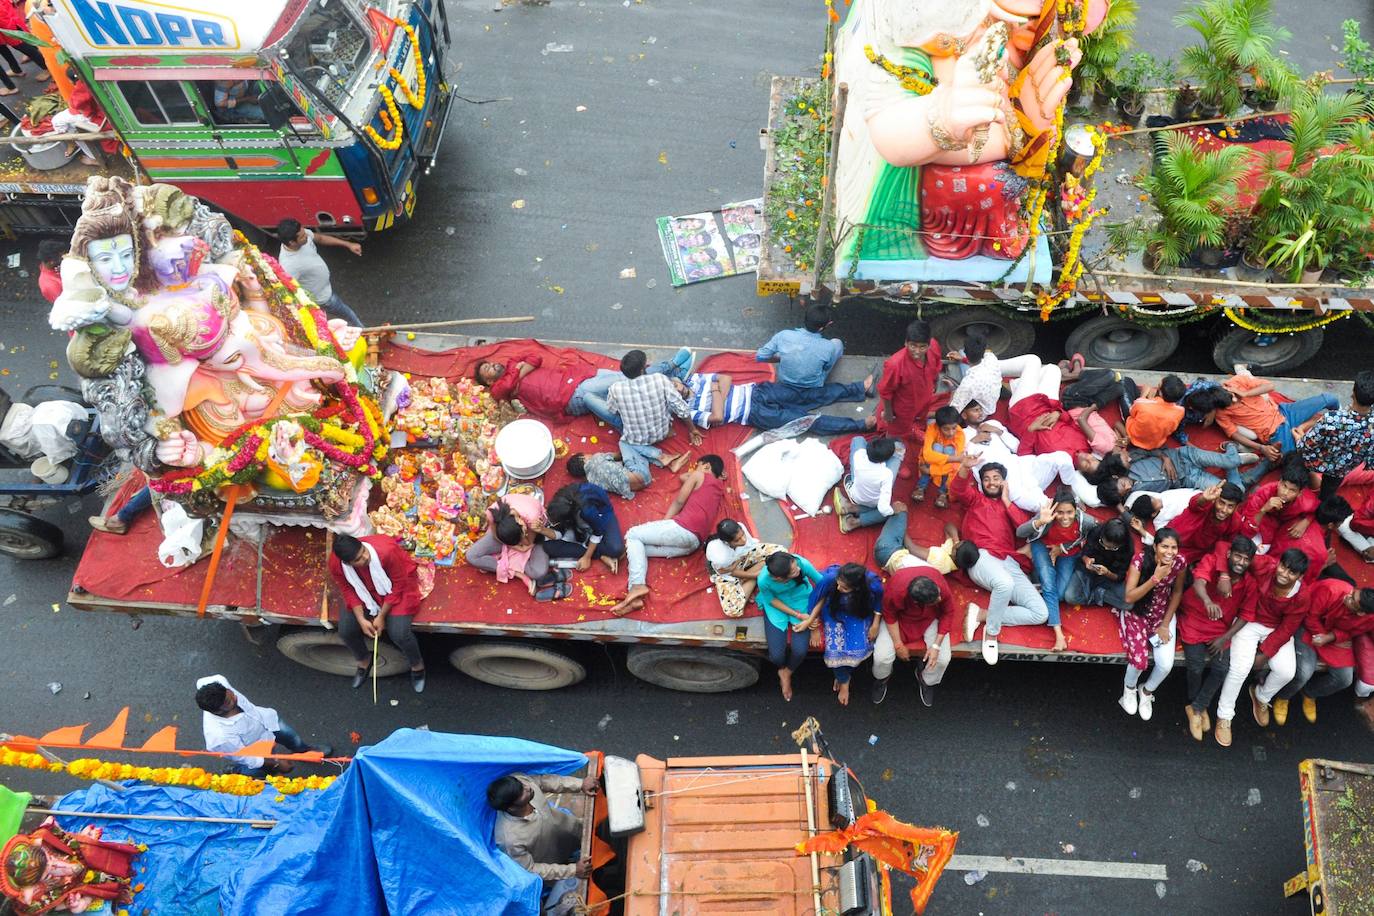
pixel 326 111
pixel 699 834
pixel 1125 311
pixel 1336 799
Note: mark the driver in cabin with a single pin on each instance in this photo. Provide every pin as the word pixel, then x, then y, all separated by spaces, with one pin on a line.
pixel 237 102
pixel 540 837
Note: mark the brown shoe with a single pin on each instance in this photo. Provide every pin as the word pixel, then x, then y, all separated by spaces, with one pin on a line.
pixel 1280 711
pixel 107 525
pixel 1365 708
pixel 1206 721
pixel 1223 732
pixel 1260 710
pixel 1194 722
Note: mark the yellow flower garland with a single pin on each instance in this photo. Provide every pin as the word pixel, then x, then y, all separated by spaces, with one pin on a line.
pixel 394 141
pixel 190 777
pixel 390 116
pixel 909 78
pixel 417 98
pixel 1236 319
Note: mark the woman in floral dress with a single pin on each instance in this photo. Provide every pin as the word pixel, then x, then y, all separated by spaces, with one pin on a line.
pixel 848 602
pixel 1154 587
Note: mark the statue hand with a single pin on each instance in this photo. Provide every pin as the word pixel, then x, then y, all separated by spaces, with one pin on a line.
pixel 119 314
pixel 344 333
pixel 180 450
pixel 1046 84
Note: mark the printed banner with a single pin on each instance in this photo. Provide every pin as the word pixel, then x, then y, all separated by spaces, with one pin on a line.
pixel 718 243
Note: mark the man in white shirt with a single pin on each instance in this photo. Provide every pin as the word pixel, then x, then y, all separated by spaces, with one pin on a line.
pixel 1027 475
pixel 232 722
pixel 868 485
pixel 301 259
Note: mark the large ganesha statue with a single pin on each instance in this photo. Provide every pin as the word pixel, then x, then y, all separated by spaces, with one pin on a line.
pixel 950 113
pixel 194 345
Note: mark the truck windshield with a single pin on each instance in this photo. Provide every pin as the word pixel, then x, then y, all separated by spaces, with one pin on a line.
pixel 330 48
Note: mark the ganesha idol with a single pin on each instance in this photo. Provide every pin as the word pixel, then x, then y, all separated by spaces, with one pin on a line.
pixel 181 350
pixel 950 113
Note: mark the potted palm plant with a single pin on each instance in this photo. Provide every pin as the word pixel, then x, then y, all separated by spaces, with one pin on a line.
pixel 1192 191
pixel 1300 257
pixel 1238 39
pixel 1103 49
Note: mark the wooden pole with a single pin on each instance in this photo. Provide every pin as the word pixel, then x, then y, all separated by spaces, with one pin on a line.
pixel 828 197
pixel 388 328
pixel 1173 278
pixel 53 758
pixel 811 829
pixel 1150 130
pixel 261 825
pixel 324 598
pixel 56 138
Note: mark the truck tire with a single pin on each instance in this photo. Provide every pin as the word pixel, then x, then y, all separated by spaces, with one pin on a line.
pixel 324 651
pixel 1112 342
pixel 693 670
pixel 1005 337
pixel 27 538
pixel 1265 354
pixel 517 666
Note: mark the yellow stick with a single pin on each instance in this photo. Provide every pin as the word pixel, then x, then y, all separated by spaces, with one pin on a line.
pixel 376 639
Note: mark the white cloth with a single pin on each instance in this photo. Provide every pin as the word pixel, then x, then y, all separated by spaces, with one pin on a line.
pixel 50 420
pixel 870 483
pixel 981 383
pixel 1000 447
pixel 181 537
pixel 1244 645
pixel 1174 502
pixel 309 269
pixel 1034 378
pixel 233 733
pixel 381 582
pixel 1352 537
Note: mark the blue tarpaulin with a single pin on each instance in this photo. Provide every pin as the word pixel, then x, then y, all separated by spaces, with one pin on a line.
pixel 405 830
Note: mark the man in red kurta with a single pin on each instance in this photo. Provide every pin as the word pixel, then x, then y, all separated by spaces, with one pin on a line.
pixel 1209 520
pixel 1356 618
pixel 918 609
pixel 1286 502
pixel 545 390
pixel 1328 600
pixel 1223 583
pixel 380 587
pixel 907 387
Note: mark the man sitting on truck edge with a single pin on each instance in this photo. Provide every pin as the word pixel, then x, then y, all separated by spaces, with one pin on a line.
pixel 804 357
pixel 301 259
pixel 1343 439
pixel 540 837
pixel 232 722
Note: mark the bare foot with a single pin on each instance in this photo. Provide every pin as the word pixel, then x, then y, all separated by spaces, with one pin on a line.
pixel 941 500
pixel 87 160
pixel 835 687
pixel 785 681
pixel 612 563
pixel 871 422
pixel 870 380
pixel 918 496
pixel 844 694
pixel 1060 644
pixel 676 462
pixel 633 600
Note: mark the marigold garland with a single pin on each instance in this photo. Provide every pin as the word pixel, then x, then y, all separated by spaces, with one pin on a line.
pixel 1242 320
pixel 911 79
pixel 190 777
pixel 394 141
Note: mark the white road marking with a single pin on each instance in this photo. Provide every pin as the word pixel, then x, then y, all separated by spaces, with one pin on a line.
pixel 1076 868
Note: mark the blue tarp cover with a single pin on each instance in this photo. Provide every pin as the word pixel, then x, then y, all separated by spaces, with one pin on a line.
pixel 405 830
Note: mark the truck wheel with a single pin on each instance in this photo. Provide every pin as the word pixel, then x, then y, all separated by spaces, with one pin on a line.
pixel 1265 354
pixel 27 538
pixel 693 670
pixel 324 651
pixel 1005 337
pixel 517 666
pixel 1113 342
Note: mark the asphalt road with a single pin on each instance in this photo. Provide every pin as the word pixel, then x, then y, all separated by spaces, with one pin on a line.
pixel 1041 752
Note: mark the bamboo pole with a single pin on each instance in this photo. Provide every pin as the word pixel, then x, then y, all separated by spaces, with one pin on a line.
pixel 261 825
pixel 56 138
pixel 1150 130
pixel 1174 278
pixel 811 829
pixel 388 328
pixel 828 197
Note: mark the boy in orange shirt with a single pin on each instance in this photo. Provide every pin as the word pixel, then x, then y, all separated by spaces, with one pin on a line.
pixel 1156 414
pixel 940 454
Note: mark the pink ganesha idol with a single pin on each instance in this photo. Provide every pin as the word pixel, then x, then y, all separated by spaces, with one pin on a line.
pixel 930 181
pixel 215 362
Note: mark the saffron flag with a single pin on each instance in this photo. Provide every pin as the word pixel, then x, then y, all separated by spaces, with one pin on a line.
pixel 922 852
pixel 383 27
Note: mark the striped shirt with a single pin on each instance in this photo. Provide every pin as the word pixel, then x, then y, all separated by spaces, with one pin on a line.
pixel 738 401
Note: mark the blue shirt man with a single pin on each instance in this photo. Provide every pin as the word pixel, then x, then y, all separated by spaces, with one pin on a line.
pixel 804 357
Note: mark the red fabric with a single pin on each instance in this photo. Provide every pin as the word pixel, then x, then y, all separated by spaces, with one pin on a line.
pixel 1064 436
pixel 49 283
pixel 1194 625
pixel 399 568
pixel 1313 543
pixel 83 102
pixel 1056 533
pixel 989 523
pixel 1363 519
pixel 913 619
pixel 699 514
pixel 1198 528
pixel 909 388
pixel 1364 657
pixel 546 390
pixel 967 210
pixel 1282 612
pixel 1325 607
pixel 1267 529
pixel 12 18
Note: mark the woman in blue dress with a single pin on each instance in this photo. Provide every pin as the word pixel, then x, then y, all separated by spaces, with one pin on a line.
pixel 848 603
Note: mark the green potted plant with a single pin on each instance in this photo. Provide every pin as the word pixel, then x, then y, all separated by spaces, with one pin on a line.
pixel 1358 58
pixel 1300 257
pixel 1103 49
pixel 1141 74
pixel 1238 42
pixel 1192 191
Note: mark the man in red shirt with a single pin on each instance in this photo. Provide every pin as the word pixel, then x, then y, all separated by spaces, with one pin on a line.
pixel 553 389
pixel 1263 635
pixel 50 254
pixel 1286 501
pixel 1358 530
pixel 918 609
pixel 1038 418
pixel 381 593
pixel 990 523
pixel 907 386
pixel 1315 541
pixel 1328 601
pixel 1222 585
pixel 1210 519
pixel 1356 619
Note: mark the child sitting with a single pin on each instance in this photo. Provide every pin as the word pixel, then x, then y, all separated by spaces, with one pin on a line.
pixel 865 495
pixel 944 446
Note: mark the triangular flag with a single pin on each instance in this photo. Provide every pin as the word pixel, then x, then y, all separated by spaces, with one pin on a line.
pixel 112 737
pixel 257 749
pixel 165 740
pixel 383 27
pixel 69 735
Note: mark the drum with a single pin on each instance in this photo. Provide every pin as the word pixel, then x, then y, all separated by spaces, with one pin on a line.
pixel 525 449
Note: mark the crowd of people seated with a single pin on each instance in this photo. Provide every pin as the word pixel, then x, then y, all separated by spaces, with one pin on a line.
pixel 1059 504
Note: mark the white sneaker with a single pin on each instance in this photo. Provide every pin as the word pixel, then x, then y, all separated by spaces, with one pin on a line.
pixel 1146 705
pixel 971 622
pixel 1129 701
pixel 990 650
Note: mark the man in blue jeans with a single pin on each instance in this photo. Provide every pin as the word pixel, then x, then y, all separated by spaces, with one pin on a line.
pixel 866 498
pixel 119 523
pixel 714 398
pixel 590 396
pixel 803 355
pixel 232 722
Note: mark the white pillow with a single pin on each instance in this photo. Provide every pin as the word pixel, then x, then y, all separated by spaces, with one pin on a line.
pixel 770 468
pixel 814 471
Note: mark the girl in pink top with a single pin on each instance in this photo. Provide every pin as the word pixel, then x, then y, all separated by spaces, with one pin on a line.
pixel 510 547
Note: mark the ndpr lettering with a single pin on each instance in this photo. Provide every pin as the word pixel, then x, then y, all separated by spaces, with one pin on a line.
pixel 119 24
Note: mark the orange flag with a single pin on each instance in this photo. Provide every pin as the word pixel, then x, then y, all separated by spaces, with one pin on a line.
pixel 68 734
pixel 164 740
pixel 112 737
pixel 922 852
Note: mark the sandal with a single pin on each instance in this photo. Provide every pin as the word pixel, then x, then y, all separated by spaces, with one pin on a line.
pixel 941 501
pixel 556 592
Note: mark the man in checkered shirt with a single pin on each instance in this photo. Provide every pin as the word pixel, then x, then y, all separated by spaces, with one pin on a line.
pixel 647 404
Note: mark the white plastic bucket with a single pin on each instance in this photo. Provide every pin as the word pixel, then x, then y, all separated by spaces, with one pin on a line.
pixel 48 472
pixel 525 449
